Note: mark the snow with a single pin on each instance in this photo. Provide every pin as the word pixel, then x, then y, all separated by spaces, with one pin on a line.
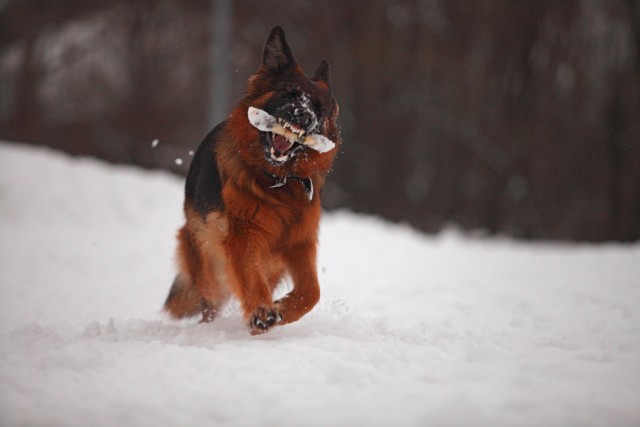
pixel 411 330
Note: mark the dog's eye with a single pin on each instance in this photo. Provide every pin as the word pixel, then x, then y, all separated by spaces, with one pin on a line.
pixel 294 92
pixel 290 90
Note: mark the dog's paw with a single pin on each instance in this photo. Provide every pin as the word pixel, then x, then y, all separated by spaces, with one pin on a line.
pixel 263 319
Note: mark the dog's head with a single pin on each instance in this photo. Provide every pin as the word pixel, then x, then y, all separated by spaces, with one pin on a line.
pixel 300 104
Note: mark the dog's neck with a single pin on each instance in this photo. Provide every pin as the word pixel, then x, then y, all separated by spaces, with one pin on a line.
pixel 280 181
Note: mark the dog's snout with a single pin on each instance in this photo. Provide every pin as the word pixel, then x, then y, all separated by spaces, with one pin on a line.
pixel 303 117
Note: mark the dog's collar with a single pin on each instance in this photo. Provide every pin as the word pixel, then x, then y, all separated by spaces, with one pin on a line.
pixel 307 183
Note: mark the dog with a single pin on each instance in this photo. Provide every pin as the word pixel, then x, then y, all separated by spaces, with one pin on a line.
pixel 252 199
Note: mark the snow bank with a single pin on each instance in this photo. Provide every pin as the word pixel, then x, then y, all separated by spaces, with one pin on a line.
pixel 410 331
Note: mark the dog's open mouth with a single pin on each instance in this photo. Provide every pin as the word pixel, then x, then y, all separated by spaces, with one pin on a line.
pixel 282 139
pixel 283 144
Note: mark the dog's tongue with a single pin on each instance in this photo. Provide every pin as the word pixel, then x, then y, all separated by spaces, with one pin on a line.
pixel 281 143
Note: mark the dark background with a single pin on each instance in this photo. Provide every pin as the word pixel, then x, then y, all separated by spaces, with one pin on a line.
pixel 512 117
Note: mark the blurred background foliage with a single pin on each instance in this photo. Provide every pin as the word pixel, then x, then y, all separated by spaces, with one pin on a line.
pixel 512 117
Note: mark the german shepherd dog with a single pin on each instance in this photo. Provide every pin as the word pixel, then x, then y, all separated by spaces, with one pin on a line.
pixel 252 199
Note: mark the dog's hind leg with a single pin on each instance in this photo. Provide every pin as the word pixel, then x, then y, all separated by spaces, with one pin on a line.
pixel 206 260
pixel 183 299
pixel 209 311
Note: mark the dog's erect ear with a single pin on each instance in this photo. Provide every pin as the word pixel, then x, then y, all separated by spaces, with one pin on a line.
pixel 323 74
pixel 277 55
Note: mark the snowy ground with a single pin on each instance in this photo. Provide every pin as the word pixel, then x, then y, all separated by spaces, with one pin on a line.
pixel 411 330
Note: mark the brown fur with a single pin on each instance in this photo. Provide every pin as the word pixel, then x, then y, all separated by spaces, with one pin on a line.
pixel 262 234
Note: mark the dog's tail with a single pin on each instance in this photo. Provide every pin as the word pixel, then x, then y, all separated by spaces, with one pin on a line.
pixel 183 300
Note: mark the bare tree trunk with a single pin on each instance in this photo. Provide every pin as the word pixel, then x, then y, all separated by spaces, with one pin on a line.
pixel 221 23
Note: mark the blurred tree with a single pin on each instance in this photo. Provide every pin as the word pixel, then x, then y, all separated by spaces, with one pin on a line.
pixel 107 78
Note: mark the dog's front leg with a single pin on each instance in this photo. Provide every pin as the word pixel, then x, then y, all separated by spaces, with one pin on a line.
pixel 301 262
pixel 246 256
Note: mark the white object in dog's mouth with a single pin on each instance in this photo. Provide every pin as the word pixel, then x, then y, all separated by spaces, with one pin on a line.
pixel 286 133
